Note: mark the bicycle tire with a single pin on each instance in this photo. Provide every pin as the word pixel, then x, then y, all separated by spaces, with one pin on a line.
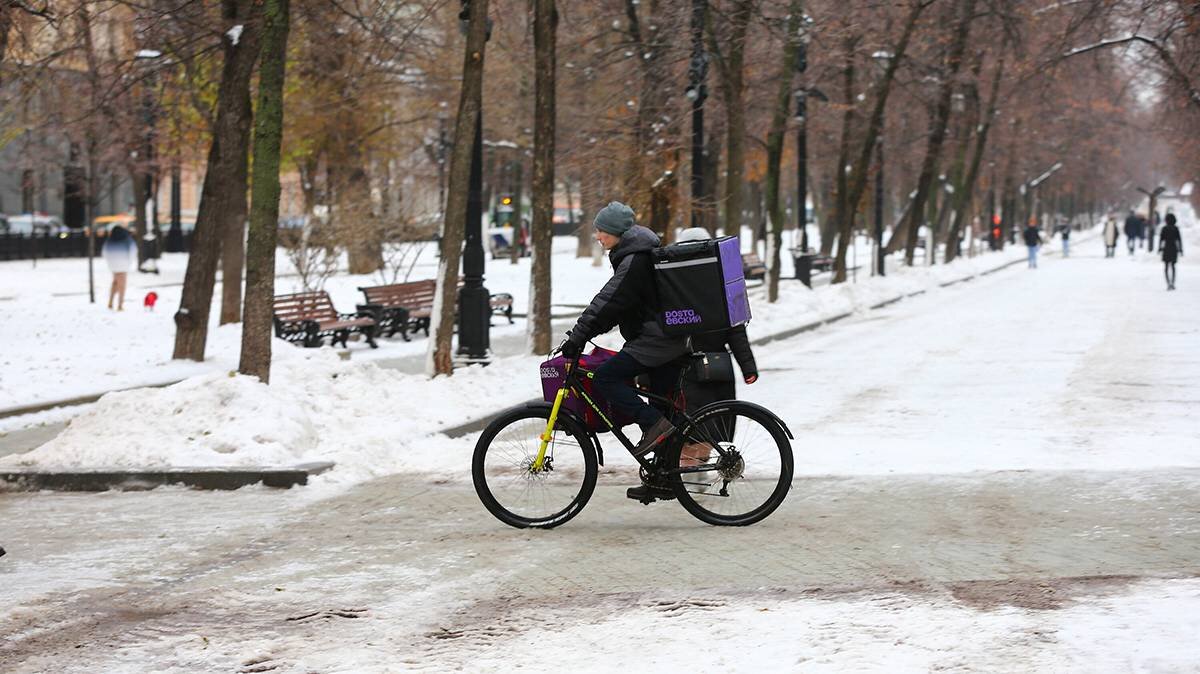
pixel 685 486
pixel 535 418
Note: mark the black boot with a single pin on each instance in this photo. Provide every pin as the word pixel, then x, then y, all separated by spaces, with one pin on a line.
pixel 649 493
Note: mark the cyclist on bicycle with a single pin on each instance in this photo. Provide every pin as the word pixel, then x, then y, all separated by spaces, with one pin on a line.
pixel 627 300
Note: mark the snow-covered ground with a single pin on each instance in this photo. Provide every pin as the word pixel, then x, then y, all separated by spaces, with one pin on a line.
pixel 1080 377
pixel 216 419
pixel 878 633
pixel 59 346
pixel 373 421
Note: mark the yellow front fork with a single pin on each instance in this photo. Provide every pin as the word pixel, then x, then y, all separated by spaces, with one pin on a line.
pixel 549 432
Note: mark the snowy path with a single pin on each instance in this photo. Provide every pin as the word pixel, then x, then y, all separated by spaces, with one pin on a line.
pixel 999 476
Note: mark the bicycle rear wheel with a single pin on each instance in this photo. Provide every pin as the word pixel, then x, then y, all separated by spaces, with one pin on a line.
pixel 512 491
pixel 733 466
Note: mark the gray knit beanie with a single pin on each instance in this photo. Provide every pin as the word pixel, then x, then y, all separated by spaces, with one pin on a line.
pixel 616 218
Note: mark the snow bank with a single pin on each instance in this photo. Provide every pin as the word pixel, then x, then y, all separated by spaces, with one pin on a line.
pixel 368 420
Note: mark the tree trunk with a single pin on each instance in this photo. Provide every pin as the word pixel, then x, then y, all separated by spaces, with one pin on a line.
pixel 842 216
pixel 656 120
pixel 583 233
pixel 545 27
pixel 967 188
pixel 858 173
pixel 827 224
pixel 233 241
pixel 465 127
pixel 732 70
pixel 264 208
pixel 356 223
pixel 937 132
pixel 775 138
pixel 220 189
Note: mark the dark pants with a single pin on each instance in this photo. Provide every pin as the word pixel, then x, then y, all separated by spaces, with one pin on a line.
pixel 1169 272
pixel 610 383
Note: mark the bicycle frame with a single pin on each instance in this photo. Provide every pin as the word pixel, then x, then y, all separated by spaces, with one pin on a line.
pixel 570 387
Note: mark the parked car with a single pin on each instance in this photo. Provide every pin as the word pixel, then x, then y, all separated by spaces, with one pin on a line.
pixel 33 223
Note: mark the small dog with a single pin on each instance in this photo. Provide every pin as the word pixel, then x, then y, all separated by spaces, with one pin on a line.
pixel 148 303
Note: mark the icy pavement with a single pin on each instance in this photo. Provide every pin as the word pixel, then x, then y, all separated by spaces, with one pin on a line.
pixel 983 572
pixel 998 476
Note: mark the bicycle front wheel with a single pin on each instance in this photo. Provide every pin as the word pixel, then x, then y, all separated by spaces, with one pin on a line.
pixel 733 466
pixel 513 490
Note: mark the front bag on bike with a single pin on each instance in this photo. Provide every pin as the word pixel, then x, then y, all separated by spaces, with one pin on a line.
pixel 554 373
pixel 700 286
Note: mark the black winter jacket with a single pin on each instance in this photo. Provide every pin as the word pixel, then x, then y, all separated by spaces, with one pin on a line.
pixel 733 340
pixel 1032 236
pixel 1171 244
pixel 628 300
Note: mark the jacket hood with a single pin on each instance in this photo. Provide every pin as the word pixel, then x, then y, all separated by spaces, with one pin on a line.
pixel 637 239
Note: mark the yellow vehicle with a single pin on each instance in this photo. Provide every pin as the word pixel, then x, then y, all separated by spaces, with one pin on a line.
pixel 104 223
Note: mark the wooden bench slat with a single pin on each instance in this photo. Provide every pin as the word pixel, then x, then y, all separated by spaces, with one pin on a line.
pixel 297 314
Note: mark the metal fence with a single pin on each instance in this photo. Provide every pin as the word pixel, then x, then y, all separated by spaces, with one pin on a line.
pixel 46 245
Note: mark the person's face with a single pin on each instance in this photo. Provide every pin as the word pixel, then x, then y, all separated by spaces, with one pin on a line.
pixel 606 240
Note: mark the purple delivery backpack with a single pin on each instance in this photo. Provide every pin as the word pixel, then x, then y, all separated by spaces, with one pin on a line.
pixel 700 286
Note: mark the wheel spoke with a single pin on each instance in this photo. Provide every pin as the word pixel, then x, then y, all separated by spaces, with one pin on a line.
pixel 509 486
pixel 732 450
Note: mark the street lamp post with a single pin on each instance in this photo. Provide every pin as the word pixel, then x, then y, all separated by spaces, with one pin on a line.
pixel 802 141
pixel 442 148
pixel 150 237
pixel 696 93
pixel 879 207
pixel 474 312
pixel 175 233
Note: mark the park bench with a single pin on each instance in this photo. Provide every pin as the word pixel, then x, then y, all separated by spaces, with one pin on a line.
pixel 408 307
pixel 307 318
pixel 753 268
pixel 823 263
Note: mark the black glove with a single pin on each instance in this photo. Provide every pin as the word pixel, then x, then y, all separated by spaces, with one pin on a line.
pixel 572 348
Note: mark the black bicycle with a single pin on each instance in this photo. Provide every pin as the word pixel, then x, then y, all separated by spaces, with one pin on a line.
pixel 728 463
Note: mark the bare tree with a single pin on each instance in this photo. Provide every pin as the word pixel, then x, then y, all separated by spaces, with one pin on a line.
pixel 730 58
pixel 937 128
pixel 220 194
pixel 264 209
pixel 775 138
pixel 440 359
pixel 545 66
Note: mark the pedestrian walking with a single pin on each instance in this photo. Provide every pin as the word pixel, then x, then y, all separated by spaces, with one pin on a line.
pixel 1033 240
pixel 1152 225
pixel 1110 236
pixel 1064 233
pixel 120 253
pixel 1171 245
pixel 1131 231
pixel 711 378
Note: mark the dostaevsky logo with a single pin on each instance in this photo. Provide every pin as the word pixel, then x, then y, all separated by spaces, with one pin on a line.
pixel 681 317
